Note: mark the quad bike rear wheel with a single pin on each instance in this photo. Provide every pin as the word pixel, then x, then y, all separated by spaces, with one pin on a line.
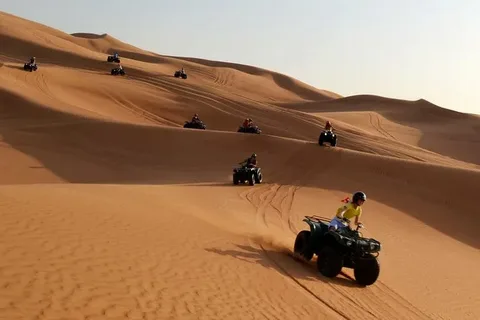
pixel 235 179
pixel 329 262
pixel 302 245
pixel 333 142
pixel 320 140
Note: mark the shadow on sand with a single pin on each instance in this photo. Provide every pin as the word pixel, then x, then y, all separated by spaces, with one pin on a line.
pixel 283 261
pixel 20 67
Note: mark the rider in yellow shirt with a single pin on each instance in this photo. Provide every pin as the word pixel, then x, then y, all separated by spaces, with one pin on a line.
pixel 350 210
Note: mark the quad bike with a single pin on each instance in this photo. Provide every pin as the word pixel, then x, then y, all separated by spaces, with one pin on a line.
pixel 30 67
pixel 180 74
pixel 327 136
pixel 337 249
pixel 195 125
pixel 244 174
pixel 118 71
pixel 113 59
pixel 253 129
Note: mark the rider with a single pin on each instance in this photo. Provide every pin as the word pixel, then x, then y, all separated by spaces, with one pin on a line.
pixel 246 123
pixel 32 60
pixel 115 55
pixel 183 71
pixel 328 126
pixel 195 118
pixel 346 212
pixel 250 162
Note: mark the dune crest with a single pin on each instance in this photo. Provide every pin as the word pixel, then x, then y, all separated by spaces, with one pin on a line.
pixel 421 123
pixel 89 35
pixel 111 209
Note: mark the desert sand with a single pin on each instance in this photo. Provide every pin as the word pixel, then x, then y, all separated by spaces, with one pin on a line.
pixel 110 209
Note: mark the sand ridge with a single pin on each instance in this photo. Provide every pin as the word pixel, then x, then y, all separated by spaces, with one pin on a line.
pixel 111 210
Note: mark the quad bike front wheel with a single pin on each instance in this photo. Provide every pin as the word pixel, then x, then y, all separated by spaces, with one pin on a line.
pixel 366 270
pixel 259 178
pixel 251 179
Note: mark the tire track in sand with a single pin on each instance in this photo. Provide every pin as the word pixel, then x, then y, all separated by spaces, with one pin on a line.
pixel 141 112
pixel 378 126
pixel 260 198
pixel 284 206
pixel 279 198
pixel 348 301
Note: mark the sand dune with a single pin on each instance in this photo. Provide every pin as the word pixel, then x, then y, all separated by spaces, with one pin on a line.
pixel 111 209
pixel 416 122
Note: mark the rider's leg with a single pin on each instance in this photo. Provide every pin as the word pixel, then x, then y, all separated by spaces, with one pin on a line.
pixel 335 224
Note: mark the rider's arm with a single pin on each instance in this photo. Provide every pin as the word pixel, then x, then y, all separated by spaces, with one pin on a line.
pixel 357 217
pixel 341 213
pixel 356 220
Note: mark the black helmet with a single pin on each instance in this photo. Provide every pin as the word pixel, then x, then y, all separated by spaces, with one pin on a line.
pixel 254 155
pixel 359 195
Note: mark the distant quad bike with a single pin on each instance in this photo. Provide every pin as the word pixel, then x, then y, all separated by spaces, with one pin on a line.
pixel 247 174
pixel 117 71
pixel 327 136
pixel 113 59
pixel 338 249
pixel 195 125
pixel 253 129
pixel 180 74
pixel 30 67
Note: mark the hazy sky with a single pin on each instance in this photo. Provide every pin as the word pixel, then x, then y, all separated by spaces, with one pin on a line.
pixel 407 49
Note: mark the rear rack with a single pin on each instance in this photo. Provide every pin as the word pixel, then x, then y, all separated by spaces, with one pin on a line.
pixel 318 218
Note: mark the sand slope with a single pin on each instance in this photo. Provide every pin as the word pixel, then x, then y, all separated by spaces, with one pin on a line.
pixel 111 210
pixel 416 122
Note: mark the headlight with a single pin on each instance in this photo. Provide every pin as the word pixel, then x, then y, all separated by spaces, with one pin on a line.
pixel 349 243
